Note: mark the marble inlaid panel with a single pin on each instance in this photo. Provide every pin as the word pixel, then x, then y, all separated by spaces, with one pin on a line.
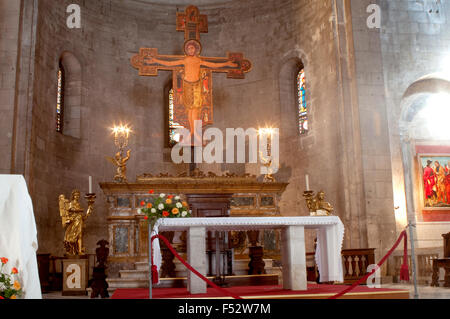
pixel 136 239
pixel 121 239
pixel 267 201
pixel 123 202
pixel 243 201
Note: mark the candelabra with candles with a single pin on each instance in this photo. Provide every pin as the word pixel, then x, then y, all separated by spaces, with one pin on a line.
pixel 267 160
pixel 121 136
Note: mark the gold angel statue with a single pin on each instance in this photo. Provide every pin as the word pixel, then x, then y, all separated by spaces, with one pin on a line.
pixel 321 204
pixel 73 219
pixel 121 163
pixel 267 162
pixel 317 203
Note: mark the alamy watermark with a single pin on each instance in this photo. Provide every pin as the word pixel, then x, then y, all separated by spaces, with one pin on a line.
pixel 373 281
pixel 263 144
pixel 374 20
pixel 74 19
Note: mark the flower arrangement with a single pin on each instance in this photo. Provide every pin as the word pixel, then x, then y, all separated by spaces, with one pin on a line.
pixel 165 206
pixel 9 287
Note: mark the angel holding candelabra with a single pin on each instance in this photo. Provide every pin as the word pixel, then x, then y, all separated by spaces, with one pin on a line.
pixel 121 135
pixel 73 220
pixel 121 163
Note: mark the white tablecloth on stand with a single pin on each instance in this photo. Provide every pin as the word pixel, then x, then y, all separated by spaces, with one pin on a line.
pixel 18 234
pixel 330 235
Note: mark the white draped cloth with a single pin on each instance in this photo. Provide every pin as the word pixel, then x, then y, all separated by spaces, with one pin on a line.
pixel 330 235
pixel 18 234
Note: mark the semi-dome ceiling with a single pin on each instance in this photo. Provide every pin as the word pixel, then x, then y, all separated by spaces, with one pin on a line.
pixel 186 2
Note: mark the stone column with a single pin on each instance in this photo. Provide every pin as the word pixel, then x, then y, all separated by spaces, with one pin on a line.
pixel 9 43
pixel 294 258
pixel 411 212
pixel 196 252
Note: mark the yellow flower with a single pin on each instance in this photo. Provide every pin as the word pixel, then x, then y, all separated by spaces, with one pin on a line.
pixel 16 285
pixel 175 211
pixel 13 297
pixel 168 201
pixel 184 204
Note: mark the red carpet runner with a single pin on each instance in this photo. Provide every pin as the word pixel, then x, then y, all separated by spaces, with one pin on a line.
pixel 171 293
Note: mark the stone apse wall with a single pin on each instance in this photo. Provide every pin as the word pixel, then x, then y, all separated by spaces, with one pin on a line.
pixel 274 35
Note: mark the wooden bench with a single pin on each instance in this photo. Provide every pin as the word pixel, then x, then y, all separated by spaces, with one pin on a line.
pixel 442 263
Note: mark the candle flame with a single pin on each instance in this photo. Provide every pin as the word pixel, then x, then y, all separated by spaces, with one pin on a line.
pixel 266 131
pixel 121 130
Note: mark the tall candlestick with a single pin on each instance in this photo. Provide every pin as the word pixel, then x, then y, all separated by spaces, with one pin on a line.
pixel 90 184
pixel 307 182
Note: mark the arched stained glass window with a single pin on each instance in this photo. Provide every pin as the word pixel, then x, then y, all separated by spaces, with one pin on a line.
pixel 60 100
pixel 302 106
pixel 173 137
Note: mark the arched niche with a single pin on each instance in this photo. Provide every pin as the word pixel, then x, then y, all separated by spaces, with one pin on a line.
pixel 418 136
pixel 72 92
pixel 289 112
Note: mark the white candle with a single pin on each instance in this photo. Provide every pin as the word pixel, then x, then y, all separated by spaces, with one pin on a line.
pixel 307 182
pixel 90 184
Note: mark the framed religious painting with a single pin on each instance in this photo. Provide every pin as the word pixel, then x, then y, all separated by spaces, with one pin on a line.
pixel 434 175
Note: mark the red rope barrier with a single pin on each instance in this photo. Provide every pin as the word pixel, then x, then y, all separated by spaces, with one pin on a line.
pixel 174 252
pixel 404 272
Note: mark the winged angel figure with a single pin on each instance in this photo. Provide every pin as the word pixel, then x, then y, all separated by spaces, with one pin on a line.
pixel 73 219
pixel 267 162
pixel 120 162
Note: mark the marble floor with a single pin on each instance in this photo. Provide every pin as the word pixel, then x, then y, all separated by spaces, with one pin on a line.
pixel 425 292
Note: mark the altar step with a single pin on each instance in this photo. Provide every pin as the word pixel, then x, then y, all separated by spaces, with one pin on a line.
pixel 143 265
pixel 134 274
pixel 115 283
pixel 139 277
pixel 230 281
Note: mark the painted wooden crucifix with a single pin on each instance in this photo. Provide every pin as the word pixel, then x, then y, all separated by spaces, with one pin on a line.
pixel 192 73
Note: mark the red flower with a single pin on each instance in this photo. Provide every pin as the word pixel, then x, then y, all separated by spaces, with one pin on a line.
pixel 151 191
pixel 1 297
pixel 165 213
pixel 170 196
pixel 4 260
pixel 14 271
pixel 146 217
pixel 143 203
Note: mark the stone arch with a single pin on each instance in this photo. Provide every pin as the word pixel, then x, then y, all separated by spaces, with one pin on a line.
pixel 72 94
pixel 413 101
pixel 293 62
pixel 416 92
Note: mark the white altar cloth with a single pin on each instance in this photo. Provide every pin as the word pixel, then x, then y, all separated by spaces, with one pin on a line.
pixel 18 234
pixel 330 234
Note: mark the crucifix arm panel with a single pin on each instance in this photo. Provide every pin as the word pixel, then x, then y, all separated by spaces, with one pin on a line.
pixel 235 70
pixel 148 62
pixel 164 61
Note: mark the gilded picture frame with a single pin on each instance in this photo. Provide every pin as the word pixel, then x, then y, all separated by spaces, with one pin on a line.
pixel 434 173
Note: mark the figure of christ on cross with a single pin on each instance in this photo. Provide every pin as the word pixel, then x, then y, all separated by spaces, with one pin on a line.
pixel 192 86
